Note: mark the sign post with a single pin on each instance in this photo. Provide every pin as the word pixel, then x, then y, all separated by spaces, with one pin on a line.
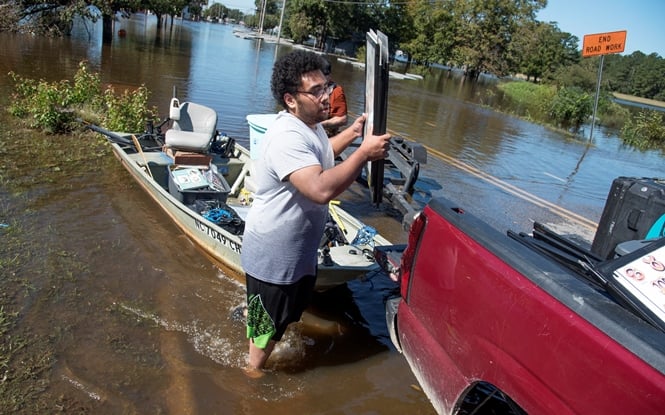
pixel 602 44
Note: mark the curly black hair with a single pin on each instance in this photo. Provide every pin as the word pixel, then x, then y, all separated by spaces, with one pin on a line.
pixel 288 70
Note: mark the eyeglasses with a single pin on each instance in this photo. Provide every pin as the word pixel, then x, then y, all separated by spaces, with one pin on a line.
pixel 319 93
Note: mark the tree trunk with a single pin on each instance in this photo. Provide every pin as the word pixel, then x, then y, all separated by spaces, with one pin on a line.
pixel 472 74
pixel 107 28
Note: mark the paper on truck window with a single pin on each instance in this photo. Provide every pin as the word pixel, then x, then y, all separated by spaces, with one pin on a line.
pixel 644 278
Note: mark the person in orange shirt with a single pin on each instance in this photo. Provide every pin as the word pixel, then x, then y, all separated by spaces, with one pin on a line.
pixel 337 118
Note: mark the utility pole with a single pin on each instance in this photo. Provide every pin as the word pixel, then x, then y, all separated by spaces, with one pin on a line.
pixel 281 21
pixel 263 15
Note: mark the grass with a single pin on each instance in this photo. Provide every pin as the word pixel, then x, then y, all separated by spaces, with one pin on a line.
pixel 36 275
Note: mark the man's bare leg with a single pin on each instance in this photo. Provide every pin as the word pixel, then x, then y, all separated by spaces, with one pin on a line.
pixel 258 358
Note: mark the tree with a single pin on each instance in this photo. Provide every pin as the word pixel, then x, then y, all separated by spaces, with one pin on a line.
pixel 582 75
pixel 339 21
pixel 397 24
pixel 637 74
pixel 541 48
pixel 165 7
pixel 432 37
pixel 486 29
pixel 220 11
pixel 11 14
pixel 312 15
pixel 299 25
pixel 50 18
pixel 267 14
pixel 56 17
pixel 110 8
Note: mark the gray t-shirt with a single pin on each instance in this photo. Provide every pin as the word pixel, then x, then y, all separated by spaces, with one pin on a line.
pixel 283 228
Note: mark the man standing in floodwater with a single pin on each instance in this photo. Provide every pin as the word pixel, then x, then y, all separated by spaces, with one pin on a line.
pixel 296 177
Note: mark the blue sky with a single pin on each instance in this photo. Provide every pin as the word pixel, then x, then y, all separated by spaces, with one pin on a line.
pixel 245 6
pixel 644 20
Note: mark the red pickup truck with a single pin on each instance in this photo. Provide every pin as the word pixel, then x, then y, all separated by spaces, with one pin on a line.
pixel 490 326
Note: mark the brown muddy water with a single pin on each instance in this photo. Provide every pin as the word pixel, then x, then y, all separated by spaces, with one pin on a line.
pixel 106 308
pixel 117 312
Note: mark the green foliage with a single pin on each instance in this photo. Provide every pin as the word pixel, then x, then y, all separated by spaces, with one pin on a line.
pixel 44 17
pixel 583 75
pixel 44 103
pixel 167 7
pixel 299 26
pixel 567 107
pixel 539 49
pixel 571 107
pixel 646 130
pixel 529 100
pixel 637 74
pixel 433 32
pixel 610 113
pixel 127 112
pixel 478 34
pixel 361 53
pixel 307 17
pixel 22 88
pixel 270 17
pixel 86 88
pixel 54 107
pixel 220 11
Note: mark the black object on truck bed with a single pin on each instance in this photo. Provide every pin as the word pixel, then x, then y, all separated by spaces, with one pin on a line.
pixel 632 209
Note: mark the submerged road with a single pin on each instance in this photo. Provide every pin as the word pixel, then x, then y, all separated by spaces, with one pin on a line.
pixel 504 205
pixel 516 191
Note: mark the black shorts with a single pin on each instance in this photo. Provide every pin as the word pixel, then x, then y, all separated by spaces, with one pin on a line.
pixel 272 307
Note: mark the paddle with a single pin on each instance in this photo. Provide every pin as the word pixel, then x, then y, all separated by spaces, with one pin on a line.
pixel 333 212
pixel 112 136
pixel 140 150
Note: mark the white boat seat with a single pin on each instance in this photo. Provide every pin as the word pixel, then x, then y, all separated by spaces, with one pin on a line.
pixel 193 128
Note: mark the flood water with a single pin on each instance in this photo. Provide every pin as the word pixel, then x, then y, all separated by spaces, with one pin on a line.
pixel 134 319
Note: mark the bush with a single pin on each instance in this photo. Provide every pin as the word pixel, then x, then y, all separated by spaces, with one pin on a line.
pixel 42 102
pixel 613 115
pixel 571 107
pixel 127 112
pixel 55 107
pixel 646 130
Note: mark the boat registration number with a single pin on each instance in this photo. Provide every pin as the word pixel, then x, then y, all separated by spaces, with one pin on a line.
pixel 221 238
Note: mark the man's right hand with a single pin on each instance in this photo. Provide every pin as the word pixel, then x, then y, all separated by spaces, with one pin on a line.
pixel 375 147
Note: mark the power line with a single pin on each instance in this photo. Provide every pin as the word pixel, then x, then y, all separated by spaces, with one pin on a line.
pixel 367 3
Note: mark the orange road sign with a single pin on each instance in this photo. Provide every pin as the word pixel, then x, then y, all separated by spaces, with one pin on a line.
pixel 604 43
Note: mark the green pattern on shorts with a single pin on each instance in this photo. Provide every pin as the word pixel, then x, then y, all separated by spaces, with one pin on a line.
pixel 260 326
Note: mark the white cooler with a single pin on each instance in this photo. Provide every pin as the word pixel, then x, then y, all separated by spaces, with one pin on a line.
pixel 258 124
